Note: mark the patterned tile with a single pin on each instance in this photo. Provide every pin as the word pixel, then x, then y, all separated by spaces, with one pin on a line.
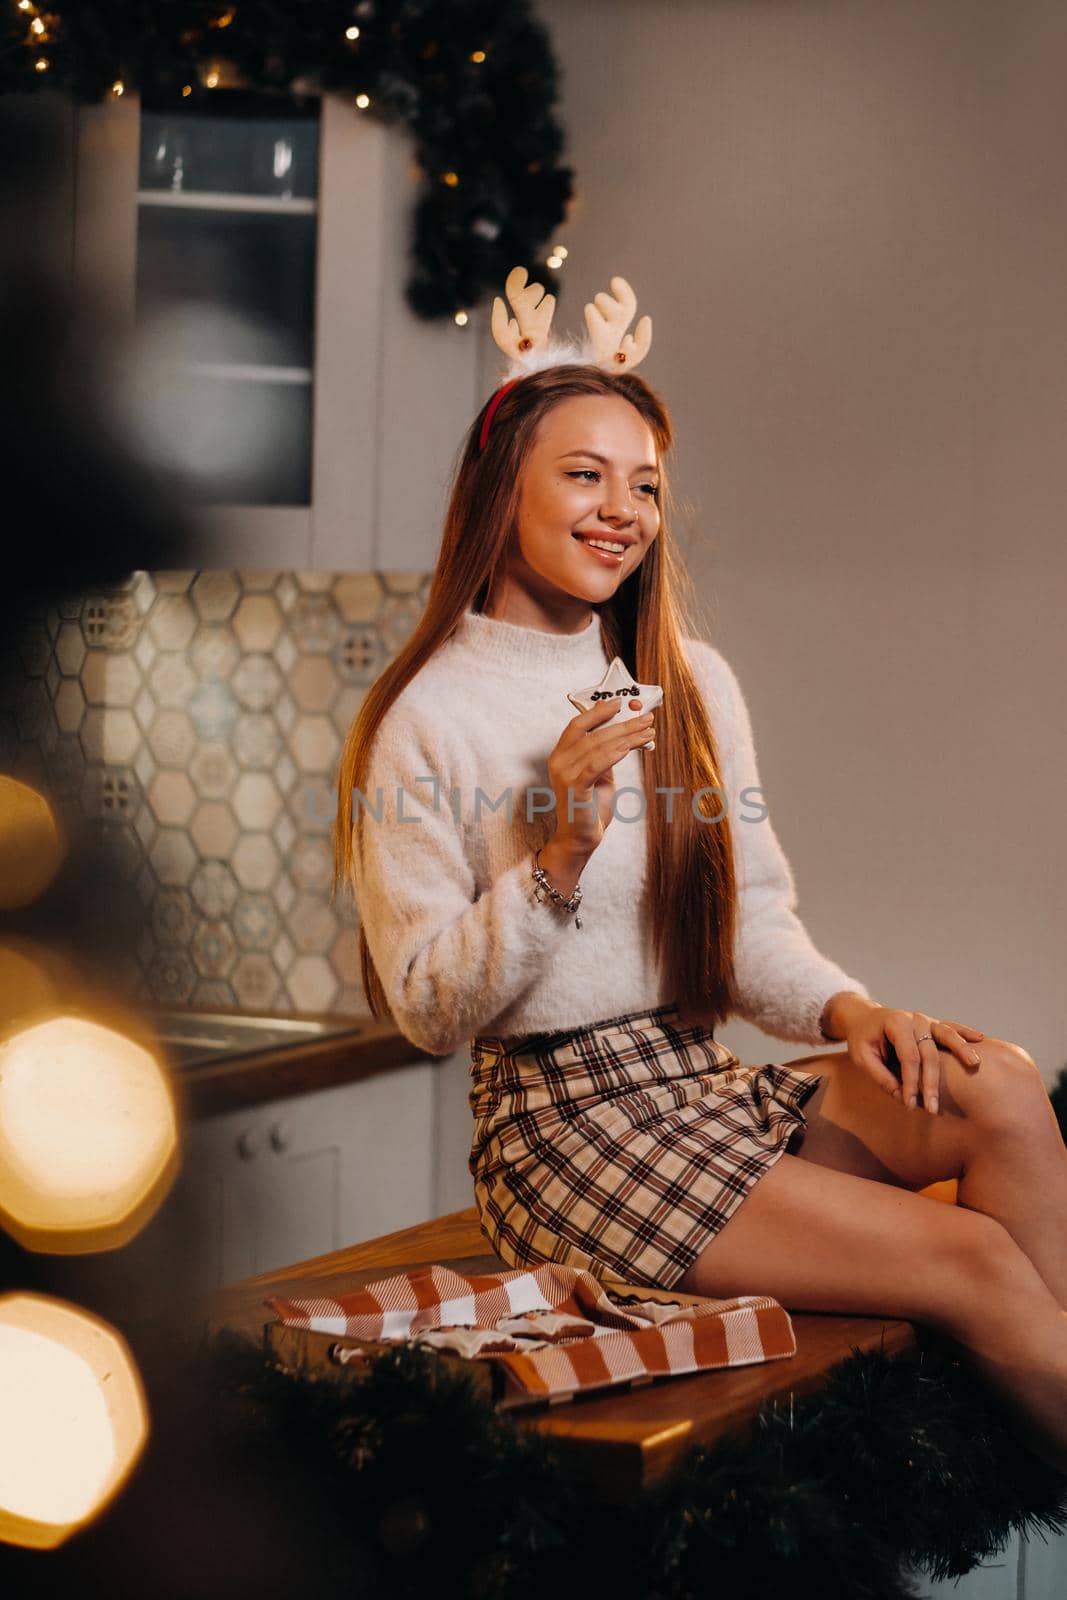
pixel 311 924
pixel 284 833
pixel 314 582
pixel 196 719
pixel 214 889
pixel 109 736
pixel 171 976
pixel 402 582
pixel 314 624
pixel 256 801
pixel 344 709
pixel 213 710
pixel 172 799
pixel 110 621
pixel 312 983
pixel 286 592
pixel 214 653
pixel 284 893
pixel 173 918
pixel 257 682
pixel 213 994
pixel 344 956
pixel 171 680
pixel 313 803
pixel 213 829
pixel 171 738
pixel 257 740
pixel 311 864
pixel 69 705
pixel 357 596
pixel 313 683
pixel 110 678
pixel 255 861
pixel 257 582
pixel 255 982
pixel 70 649
pixel 214 950
pixel 255 922
pixel 111 794
pixel 172 857
pixel 314 744
pixel 398 619
pixel 257 623
pixel 360 655
pixel 215 595
pixel 213 771
pixel 145 767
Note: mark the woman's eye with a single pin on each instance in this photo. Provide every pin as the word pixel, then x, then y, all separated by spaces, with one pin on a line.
pixel 652 489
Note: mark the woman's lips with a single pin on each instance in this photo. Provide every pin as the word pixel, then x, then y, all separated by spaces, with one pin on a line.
pixel 607 556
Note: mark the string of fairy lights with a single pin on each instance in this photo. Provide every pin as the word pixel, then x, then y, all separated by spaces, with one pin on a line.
pixel 475 84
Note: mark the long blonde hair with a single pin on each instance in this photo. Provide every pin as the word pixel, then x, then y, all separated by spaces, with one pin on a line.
pixel 692 894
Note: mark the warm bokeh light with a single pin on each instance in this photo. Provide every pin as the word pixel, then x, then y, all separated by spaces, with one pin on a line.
pixel 31 980
pixel 73 1418
pixel 88 1136
pixel 31 847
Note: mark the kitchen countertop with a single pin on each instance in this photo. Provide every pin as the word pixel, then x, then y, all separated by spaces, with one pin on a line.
pixel 274 1073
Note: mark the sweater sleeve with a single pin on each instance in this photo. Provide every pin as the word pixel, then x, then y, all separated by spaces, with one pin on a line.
pixel 783 982
pixel 449 960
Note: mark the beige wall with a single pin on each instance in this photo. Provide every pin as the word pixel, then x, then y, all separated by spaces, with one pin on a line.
pixel 849 223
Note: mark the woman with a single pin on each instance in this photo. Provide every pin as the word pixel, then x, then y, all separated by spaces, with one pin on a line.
pixel 612 1131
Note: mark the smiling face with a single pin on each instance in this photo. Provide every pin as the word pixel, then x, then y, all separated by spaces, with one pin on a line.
pixel 590 474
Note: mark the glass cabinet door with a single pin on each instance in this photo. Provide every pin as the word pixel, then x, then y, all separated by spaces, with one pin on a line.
pixel 227 204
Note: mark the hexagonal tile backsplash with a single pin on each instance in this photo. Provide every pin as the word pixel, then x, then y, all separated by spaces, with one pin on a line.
pixel 195 721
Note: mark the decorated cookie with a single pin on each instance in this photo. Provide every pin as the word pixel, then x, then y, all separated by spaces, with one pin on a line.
pixel 619 684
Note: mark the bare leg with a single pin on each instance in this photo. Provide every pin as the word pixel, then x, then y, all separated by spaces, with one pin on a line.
pixel 995 1132
pixel 823 1240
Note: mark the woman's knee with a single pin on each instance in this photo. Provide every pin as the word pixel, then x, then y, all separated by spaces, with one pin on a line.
pixel 1005 1094
pixel 980 1269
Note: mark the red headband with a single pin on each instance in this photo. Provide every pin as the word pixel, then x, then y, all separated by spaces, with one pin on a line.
pixel 487 420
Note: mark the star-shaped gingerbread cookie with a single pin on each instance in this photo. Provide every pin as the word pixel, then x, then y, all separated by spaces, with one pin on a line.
pixel 618 684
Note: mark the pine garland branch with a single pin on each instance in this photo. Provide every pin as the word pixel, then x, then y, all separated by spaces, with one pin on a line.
pixel 475 82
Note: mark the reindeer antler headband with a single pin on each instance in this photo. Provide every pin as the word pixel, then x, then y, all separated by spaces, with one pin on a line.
pixel 525 337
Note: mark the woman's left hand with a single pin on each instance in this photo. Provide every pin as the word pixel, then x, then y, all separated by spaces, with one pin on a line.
pixel 883 1032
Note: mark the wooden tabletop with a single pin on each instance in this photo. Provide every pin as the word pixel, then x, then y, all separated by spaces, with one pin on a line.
pixel 621 1441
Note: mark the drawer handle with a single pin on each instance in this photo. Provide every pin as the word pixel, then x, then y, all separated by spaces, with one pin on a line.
pixel 280 1137
pixel 247 1144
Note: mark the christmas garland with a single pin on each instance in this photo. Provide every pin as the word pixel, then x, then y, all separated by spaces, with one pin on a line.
pixel 407 1483
pixel 474 80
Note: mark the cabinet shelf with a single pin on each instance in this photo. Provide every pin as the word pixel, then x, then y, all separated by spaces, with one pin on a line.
pixel 206 200
pixel 247 372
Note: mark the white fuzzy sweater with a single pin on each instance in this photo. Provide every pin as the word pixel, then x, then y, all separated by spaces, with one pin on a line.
pixel 446 897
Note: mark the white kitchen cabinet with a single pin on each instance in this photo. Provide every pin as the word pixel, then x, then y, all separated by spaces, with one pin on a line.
pixel 1043 1567
pixel 281 1182
pixel 1028 1568
pixel 390 394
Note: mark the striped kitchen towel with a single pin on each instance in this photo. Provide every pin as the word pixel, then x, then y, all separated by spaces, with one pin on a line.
pixel 555 1330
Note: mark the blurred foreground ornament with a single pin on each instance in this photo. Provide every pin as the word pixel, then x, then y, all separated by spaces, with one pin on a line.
pixel 31 847
pixel 73 1418
pixel 88 1136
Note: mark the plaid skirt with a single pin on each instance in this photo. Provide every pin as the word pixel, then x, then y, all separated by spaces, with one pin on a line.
pixel 624 1146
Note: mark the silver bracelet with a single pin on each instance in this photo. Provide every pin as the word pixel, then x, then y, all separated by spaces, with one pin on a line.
pixel 543 888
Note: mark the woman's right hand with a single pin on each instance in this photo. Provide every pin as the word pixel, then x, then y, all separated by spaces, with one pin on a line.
pixel 581 763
